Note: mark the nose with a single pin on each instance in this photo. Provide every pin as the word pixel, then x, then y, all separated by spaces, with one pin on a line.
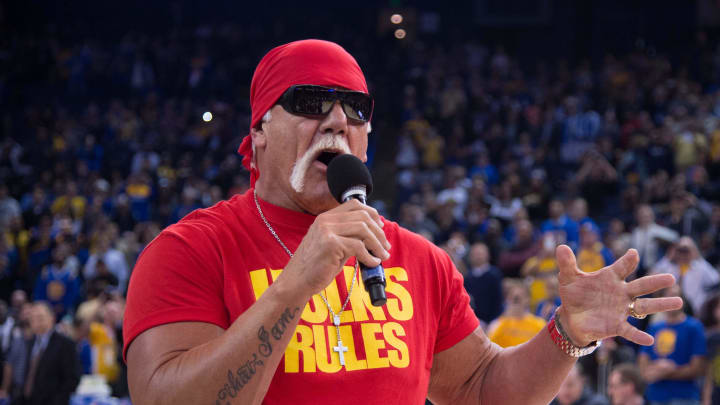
pixel 335 122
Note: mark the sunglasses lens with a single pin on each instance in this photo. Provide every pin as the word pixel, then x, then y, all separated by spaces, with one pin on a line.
pixel 358 106
pixel 307 101
pixel 320 100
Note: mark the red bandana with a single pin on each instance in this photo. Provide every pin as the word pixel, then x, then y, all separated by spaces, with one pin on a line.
pixel 310 61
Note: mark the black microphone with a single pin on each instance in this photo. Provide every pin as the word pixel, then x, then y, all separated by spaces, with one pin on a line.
pixel 349 178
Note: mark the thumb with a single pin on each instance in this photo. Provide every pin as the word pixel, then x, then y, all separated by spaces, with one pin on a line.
pixel 566 264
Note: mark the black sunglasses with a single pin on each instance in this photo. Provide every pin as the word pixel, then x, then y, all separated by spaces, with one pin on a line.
pixel 309 99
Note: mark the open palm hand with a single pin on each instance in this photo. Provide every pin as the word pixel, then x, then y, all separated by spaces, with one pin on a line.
pixel 596 305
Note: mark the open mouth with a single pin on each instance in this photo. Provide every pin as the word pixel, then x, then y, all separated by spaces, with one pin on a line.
pixel 327 155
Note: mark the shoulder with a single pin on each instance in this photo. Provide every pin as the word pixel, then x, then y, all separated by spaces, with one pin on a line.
pixel 695 325
pixel 221 216
pixel 205 230
pixel 60 339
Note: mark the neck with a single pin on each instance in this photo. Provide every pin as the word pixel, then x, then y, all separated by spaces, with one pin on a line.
pixel 515 312
pixel 276 196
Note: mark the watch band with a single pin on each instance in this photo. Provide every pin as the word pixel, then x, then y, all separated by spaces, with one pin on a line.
pixel 561 339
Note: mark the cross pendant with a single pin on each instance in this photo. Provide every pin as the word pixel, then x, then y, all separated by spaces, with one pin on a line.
pixel 341 349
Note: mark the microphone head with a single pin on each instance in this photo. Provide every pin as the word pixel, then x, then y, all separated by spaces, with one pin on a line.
pixel 346 171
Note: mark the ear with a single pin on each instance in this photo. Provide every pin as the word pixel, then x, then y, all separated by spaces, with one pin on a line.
pixel 259 135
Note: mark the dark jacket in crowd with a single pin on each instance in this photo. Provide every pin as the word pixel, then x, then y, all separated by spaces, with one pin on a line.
pixel 58 372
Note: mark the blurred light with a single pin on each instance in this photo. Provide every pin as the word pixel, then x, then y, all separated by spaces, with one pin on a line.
pixel 207 117
pixel 400 33
pixel 396 18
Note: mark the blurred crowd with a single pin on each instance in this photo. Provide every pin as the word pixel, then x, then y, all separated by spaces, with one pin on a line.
pixel 496 161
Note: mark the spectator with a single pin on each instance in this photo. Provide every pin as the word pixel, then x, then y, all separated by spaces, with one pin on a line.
pixel 505 206
pixel 112 258
pixel 9 206
pixel 694 274
pixel 597 179
pixel 599 364
pixel 70 202
pixel 579 212
pixel 516 325
pixel 565 229
pixel 542 270
pixel 626 385
pixel 676 359
pixel 648 237
pixel 710 318
pixel 7 324
pixel 574 391
pixel 685 216
pixel 525 247
pixel 483 283
pixel 58 283
pixel 592 255
pixel 546 307
pixel 15 370
pixel 52 368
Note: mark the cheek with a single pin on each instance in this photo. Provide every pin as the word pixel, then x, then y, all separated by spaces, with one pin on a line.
pixel 359 143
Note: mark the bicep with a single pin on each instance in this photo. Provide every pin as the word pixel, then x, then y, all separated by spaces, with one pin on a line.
pixel 157 346
pixel 457 372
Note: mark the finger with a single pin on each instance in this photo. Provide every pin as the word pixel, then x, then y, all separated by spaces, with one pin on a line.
pixel 650 284
pixel 649 306
pixel 355 205
pixel 566 263
pixel 364 216
pixel 354 247
pixel 361 232
pixel 625 265
pixel 635 335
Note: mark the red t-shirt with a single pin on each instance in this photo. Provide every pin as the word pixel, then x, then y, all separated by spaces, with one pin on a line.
pixel 214 264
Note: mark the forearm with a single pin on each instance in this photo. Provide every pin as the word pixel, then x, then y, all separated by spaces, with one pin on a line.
pixel 539 364
pixel 237 366
pixel 687 372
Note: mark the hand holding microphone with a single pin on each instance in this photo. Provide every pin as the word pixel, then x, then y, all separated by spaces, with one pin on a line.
pixel 348 178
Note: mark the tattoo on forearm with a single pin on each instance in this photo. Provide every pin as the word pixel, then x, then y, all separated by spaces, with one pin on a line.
pixel 242 376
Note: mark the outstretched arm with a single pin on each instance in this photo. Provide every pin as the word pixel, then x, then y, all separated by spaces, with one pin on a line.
pixel 595 306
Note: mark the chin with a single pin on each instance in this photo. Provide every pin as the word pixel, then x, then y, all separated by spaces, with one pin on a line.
pixel 316 200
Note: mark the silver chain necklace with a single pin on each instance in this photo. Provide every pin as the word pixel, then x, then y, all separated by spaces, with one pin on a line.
pixel 340 348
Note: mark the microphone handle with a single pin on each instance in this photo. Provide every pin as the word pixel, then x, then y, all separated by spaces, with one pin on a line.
pixel 373 277
pixel 374 281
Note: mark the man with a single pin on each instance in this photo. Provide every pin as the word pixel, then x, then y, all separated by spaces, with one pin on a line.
pixel 677 358
pixel 626 385
pixel 53 369
pixel 578 212
pixel 574 391
pixel 696 276
pixel 592 254
pixel 113 259
pixel 58 283
pixel 516 325
pixel 242 303
pixel 483 282
pixel 648 236
pixel 525 246
pixel 564 228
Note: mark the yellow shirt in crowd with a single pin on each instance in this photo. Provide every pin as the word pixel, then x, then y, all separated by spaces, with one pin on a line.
pixel 507 331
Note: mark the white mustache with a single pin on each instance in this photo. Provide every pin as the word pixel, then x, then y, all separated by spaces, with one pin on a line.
pixel 300 168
